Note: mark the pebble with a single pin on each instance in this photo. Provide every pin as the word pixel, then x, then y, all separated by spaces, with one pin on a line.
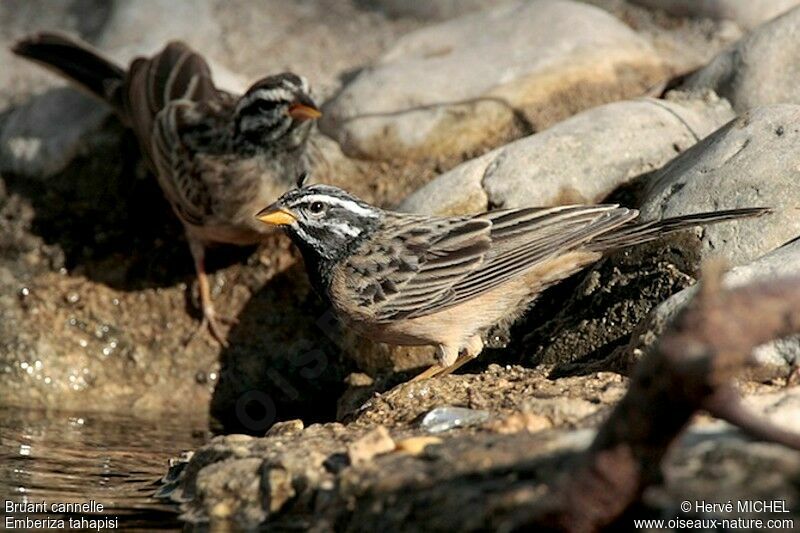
pixel 446 418
pixel 376 442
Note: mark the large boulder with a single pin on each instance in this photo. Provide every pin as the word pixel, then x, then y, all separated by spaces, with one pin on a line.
pixel 760 69
pixel 471 82
pixel 746 14
pixel 752 161
pixel 580 160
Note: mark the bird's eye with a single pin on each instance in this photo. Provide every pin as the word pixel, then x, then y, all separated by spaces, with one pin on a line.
pixel 316 208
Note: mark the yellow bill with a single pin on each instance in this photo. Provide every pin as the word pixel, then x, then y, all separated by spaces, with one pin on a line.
pixel 304 112
pixel 276 216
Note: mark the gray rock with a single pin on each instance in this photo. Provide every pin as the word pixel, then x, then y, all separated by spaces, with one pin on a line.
pixel 431 9
pixel 783 262
pixel 580 160
pixel 131 31
pixel 474 81
pixel 746 14
pixel 761 68
pixel 20 17
pixel 750 162
pixel 41 137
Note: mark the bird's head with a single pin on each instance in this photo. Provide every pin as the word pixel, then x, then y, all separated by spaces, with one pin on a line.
pixel 322 219
pixel 276 110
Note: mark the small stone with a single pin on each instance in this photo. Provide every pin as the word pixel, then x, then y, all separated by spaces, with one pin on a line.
pixel 445 418
pixel 278 483
pixel 286 428
pixel 376 442
pixel 220 510
pixel 416 445
pixel 72 297
pixel 520 421
pixel 359 379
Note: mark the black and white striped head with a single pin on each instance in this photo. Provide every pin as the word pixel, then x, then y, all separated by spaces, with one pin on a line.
pixel 323 219
pixel 276 110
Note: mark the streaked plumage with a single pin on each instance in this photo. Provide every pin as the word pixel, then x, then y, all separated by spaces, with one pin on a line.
pixel 424 280
pixel 218 157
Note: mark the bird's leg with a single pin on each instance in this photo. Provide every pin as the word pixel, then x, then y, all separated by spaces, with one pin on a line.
pixel 473 349
pixel 210 318
pixel 450 360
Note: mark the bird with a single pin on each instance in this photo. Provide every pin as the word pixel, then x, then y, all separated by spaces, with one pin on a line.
pixel 412 279
pixel 218 157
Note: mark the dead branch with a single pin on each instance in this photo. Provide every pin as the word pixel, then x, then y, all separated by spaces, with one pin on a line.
pixel 692 368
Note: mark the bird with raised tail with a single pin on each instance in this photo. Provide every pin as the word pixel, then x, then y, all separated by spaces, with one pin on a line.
pixel 218 156
pixel 443 281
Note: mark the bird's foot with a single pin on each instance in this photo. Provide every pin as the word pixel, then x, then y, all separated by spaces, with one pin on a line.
pixel 212 321
pixel 438 370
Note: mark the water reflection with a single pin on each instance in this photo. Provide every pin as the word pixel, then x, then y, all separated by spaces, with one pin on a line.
pixel 110 459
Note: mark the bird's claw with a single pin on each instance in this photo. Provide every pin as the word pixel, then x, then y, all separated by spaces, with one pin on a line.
pixel 212 322
pixel 438 370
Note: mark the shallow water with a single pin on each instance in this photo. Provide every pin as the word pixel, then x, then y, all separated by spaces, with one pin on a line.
pixel 109 459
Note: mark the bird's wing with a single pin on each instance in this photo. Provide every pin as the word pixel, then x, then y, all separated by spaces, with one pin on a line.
pixel 524 238
pixel 430 264
pixel 414 262
pixel 183 183
pixel 177 73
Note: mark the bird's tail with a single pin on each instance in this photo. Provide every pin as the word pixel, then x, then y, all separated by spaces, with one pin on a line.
pixel 76 61
pixel 629 235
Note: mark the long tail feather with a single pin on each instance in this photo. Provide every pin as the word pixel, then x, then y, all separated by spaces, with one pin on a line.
pixel 77 61
pixel 639 233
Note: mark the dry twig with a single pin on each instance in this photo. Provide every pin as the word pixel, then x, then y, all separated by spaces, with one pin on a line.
pixel 692 368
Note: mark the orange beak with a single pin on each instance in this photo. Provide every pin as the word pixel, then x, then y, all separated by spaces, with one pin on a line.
pixel 301 112
pixel 276 216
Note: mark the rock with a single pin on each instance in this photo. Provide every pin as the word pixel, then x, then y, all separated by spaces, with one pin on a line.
pixel 130 32
pixel 475 479
pixel 443 92
pixel 684 45
pixel 416 445
pixel 21 17
pixel 759 69
pixel 747 163
pixel 376 442
pixel 782 354
pixel 580 160
pixel 520 421
pixel 746 14
pixel 40 138
pixel 287 427
pixel 432 9
pixel 445 418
